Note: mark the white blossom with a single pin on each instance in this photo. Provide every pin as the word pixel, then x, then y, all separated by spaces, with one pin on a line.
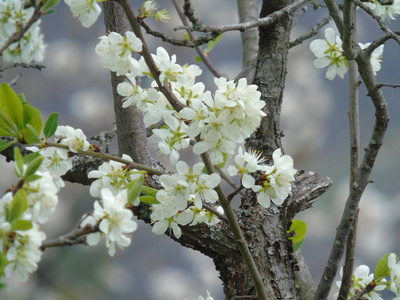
pixel 114 220
pixel 376 56
pixel 113 176
pixel 329 54
pixel 385 11
pixel 361 278
pixel 115 52
pixel 87 11
pixel 75 139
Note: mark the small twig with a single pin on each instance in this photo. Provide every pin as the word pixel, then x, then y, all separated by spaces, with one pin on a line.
pixel 108 157
pixel 215 212
pixel 199 50
pixel 182 43
pixel 75 237
pixel 248 297
pixel 15 79
pixel 388 84
pixel 268 20
pixel 22 65
pixel 16 36
pixel 105 139
pixel 379 20
pixel 349 261
pixel 368 289
pixel 237 233
pixel 235 192
pixel 227 179
pixel 314 31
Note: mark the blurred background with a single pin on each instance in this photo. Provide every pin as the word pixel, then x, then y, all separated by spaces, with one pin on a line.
pixel 315 123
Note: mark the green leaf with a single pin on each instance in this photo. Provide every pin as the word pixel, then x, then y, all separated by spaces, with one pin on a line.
pixel 33 117
pixel 49 4
pixel 11 105
pixel 187 36
pixel 19 162
pixel 18 206
pixel 225 156
pixel 22 98
pixel 212 44
pixel 51 126
pixel 31 178
pixel 31 156
pixel 134 189
pixel 300 228
pixel 198 58
pixel 33 166
pixel 21 225
pixel 149 199
pixel 30 135
pixel 382 269
pixel 4 144
pixel 7 125
pixel 149 191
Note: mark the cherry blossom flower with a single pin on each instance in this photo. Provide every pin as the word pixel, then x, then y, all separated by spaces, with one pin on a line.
pixel 75 139
pixel 114 220
pixel 385 11
pixel 87 11
pixel 329 54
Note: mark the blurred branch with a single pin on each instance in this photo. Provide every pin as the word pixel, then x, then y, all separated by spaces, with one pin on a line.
pixel 183 43
pixel 268 20
pixel 314 31
pixel 248 11
pixel 204 57
pixel 75 237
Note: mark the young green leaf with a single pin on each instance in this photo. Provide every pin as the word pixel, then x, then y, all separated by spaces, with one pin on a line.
pixel 198 58
pixel 134 189
pixel 33 166
pixel 300 228
pixel 211 44
pixel 31 178
pixel 149 199
pixel 7 125
pixel 382 268
pixel 149 191
pixel 31 156
pixel 21 225
pixel 30 135
pixel 51 126
pixel 19 162
pixel 49 4
pixel 4 144
pixel 11 105
pixel 18 206
pixel 33 117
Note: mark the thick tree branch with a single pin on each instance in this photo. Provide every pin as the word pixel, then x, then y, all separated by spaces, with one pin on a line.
pixel 362 176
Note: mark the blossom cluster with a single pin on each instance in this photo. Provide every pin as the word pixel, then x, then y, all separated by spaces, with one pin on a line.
pixel 114 220
pixel 389 11
pixel 329 53
pixel 30 48
pixel 20 216
pixel 181 199
pixel 388 279
pixel 275 182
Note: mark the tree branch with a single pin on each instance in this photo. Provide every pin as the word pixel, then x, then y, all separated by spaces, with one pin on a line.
pixel 199 50
pixel 314 31
pixel 268 20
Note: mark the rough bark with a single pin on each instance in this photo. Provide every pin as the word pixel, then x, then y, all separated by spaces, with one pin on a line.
pixel 131 132
pixel 270 76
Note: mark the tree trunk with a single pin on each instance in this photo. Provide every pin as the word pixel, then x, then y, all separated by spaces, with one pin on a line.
pixel 265 230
